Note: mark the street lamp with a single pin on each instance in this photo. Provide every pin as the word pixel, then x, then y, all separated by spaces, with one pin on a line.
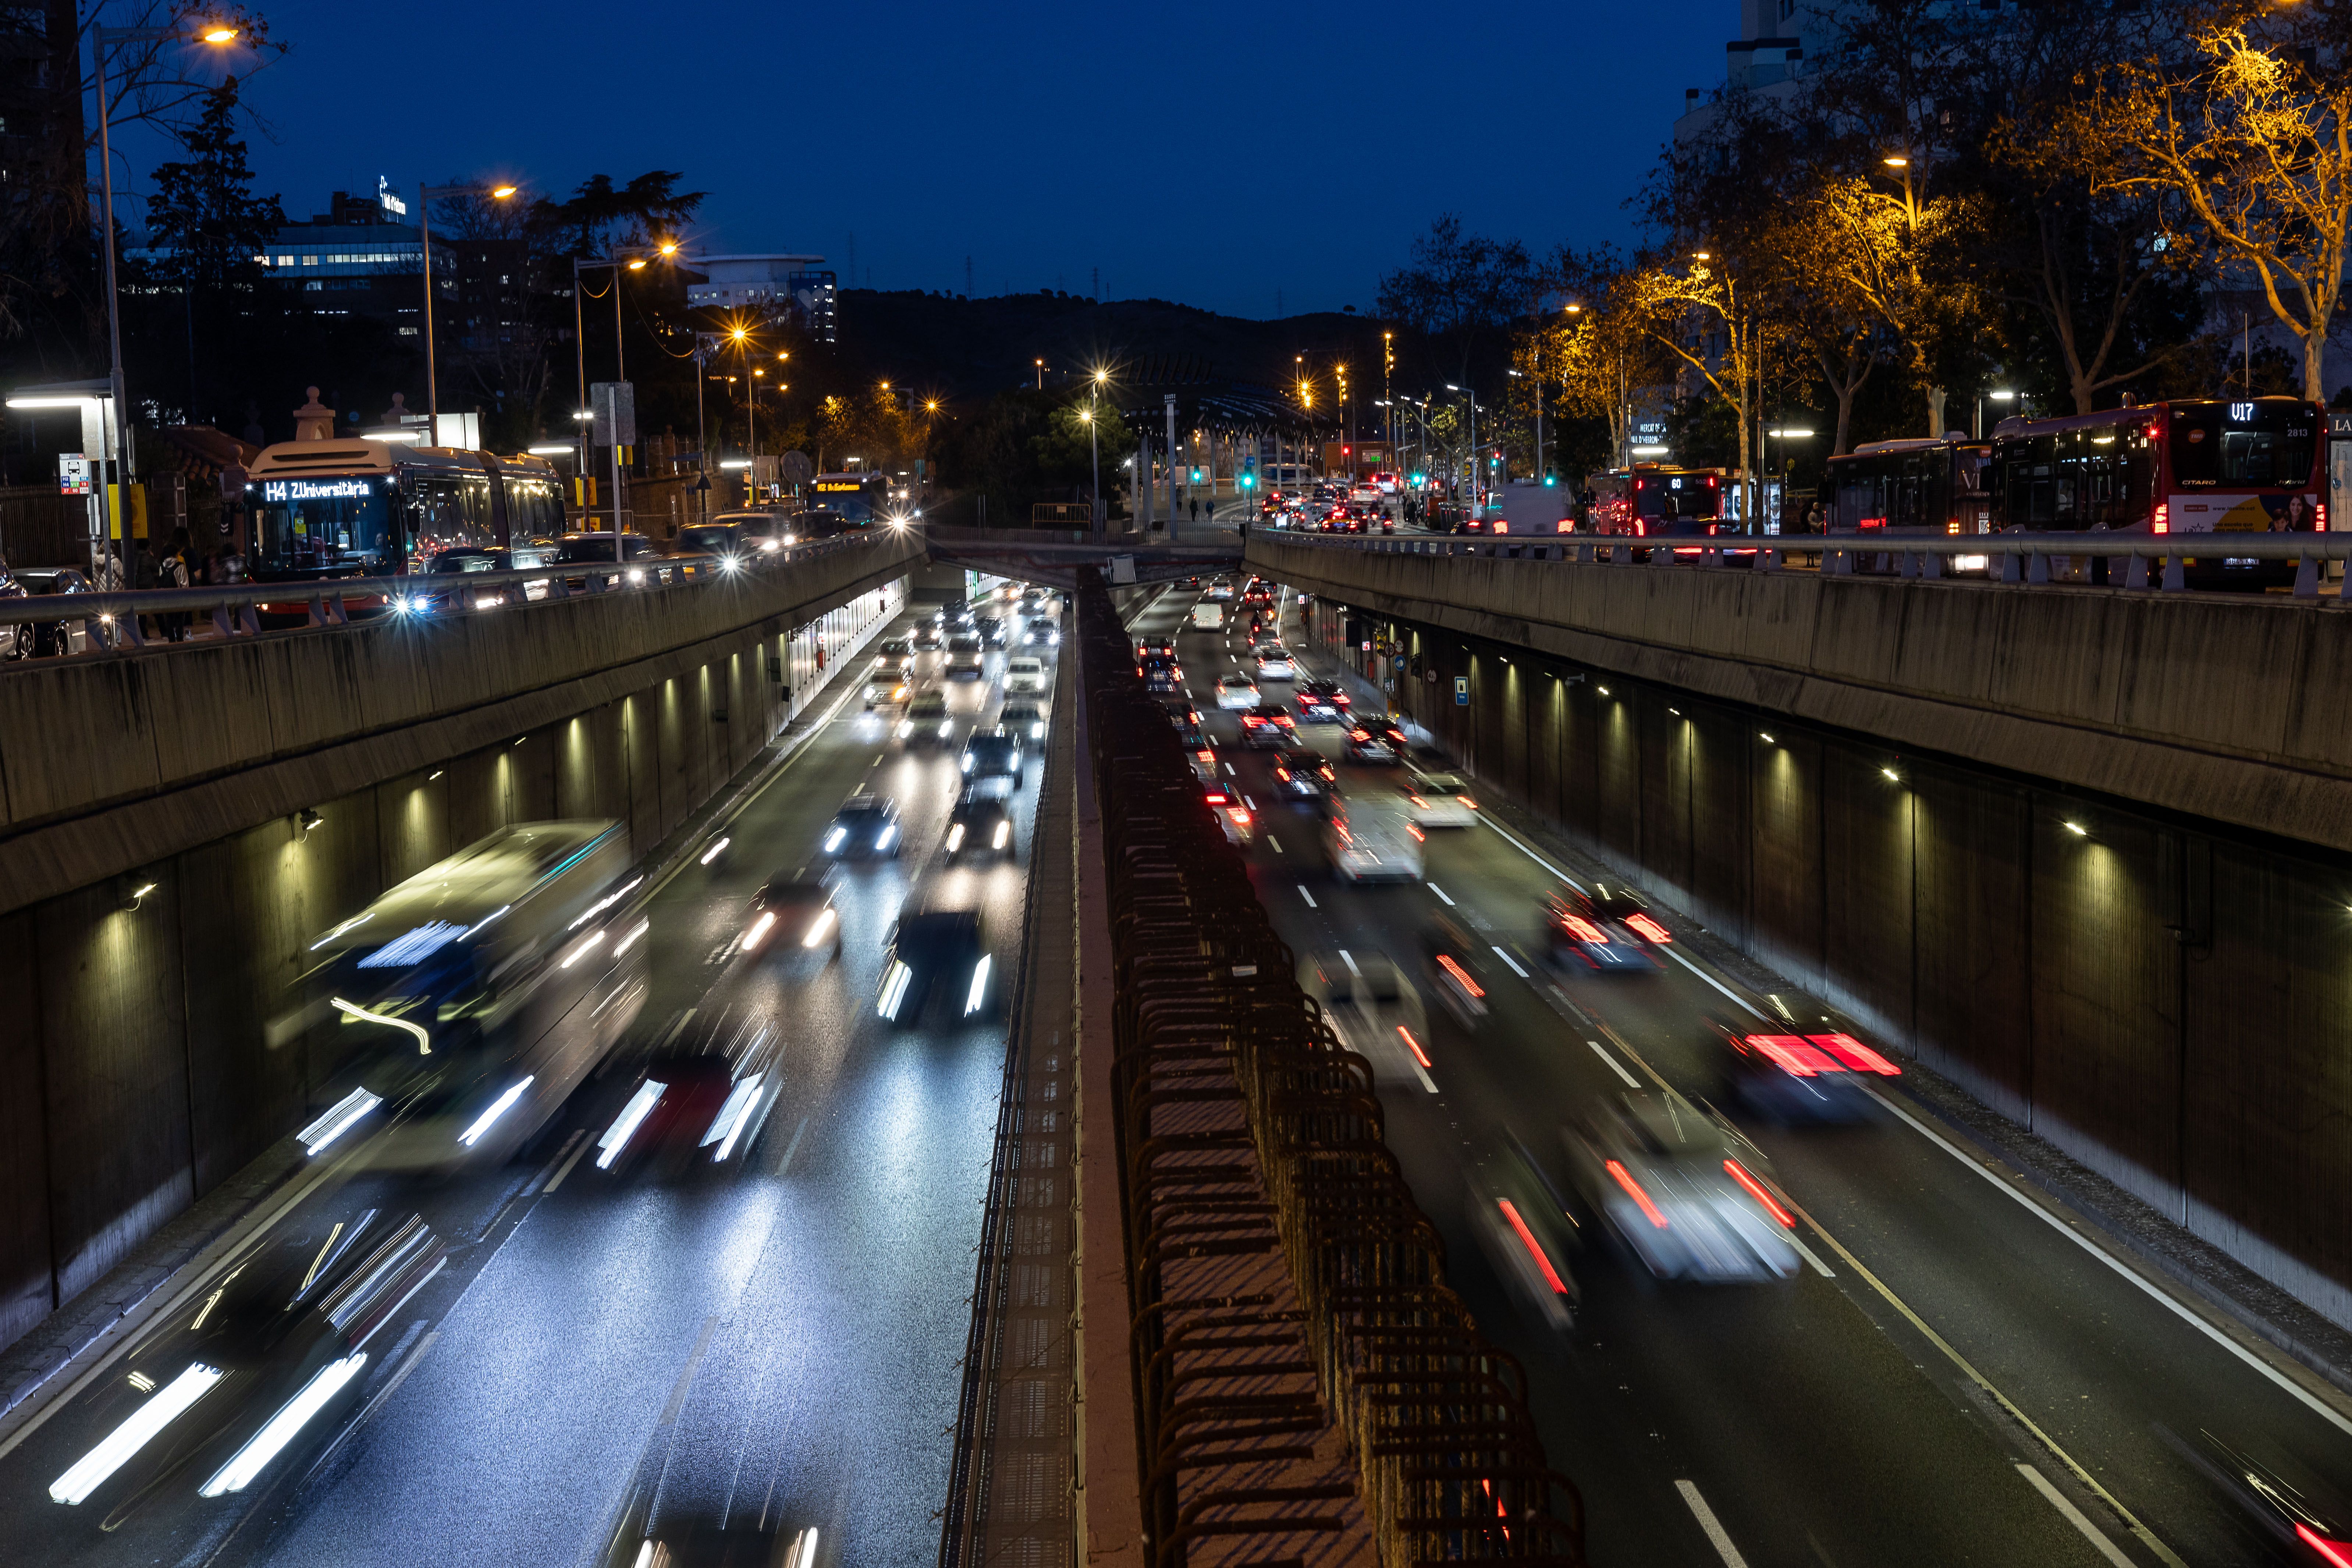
pixel 217 33
pixel 425 196
pixel 613 259
pixel 1041 375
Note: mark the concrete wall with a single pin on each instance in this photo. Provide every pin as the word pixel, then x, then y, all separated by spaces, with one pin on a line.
pixel 2169 1000
pixel 136 1076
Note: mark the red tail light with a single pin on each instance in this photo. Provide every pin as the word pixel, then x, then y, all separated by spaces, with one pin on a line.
pixel 1460 975
pixel 1633 1190
pixel 1582 930
pixel 1502 525
pixel 1527 1241
pixel 1756 1190
pixel 1856 1055
pixel 1793 1055
pixel 2336 1552
pixel 1414 1046
pixel 2163 517
pixel 1648 927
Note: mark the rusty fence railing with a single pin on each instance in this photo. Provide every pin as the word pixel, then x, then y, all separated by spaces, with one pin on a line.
pixel 1250 1138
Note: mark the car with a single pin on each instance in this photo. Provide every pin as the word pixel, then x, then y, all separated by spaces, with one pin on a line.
pixel 1368 848
pixel 1274 663
pixel 1024 672
pixel 1322 702
pixel 642 564
pixel 1369 1005
pixel 927 723
pixel 1208 616
pixel 788 916
pixel 1041 634
pixel 43 639
pixel 1440 800
pixel 981 822
pixel 1025 718
pixel 1677 1191
pixel 1180 710
pixel 895 654
pixel 971 666
pixel 1302 774
pixel 1579 936
pixel 1222 589
pixel 929 638
pixel 1458 970
pixel 992 752
pixel 704 548
pixel 886 690
pixel 1385 728
pixel 1236 692
pixel 1164 647
pixel 1521 1223
pixel 1793 1078
pixel 993 634
pixel 963 642
pixel 1371 748
pixel 1268 724
pixel 866 825
pixel 930 948
pixel 1162 677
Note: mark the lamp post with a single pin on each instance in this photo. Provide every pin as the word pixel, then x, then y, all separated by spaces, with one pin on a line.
pixel 216 34
pixel 425 196
pixel 613 259
pixel 1784 435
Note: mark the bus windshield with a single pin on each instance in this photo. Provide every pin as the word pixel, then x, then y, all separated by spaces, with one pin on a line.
pixel 2240 445
pixel 324 524
pixel 1677 496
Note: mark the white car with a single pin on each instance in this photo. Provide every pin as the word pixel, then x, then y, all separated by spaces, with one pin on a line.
pixel 1023 673
pixel 1237 692
pixel 1440 800
pixel 1274 663
pixel 1682 1195
pixel 1367 850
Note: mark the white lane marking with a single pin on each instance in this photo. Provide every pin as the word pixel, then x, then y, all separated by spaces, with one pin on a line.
pixel 2074 1516
pixel 1530 853
pixel 784 1163
pixel 1718 1537
pixel 1507 959
pixel 1308 896
pixel 1229 771
pixel 1614 1065
pixel 1711 980
pixel 551 1165
pixel 556 1180
pixel 2325 1411
pixel 1439 892
pixel 1808 1254
pixel 1273 844
pixel 1421 1073
pixel 686 1376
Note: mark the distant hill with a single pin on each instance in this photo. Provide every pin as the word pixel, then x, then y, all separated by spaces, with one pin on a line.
pixel 958 348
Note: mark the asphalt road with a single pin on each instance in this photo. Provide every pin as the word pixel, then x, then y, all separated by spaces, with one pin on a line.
pixel 1956 1376
pixel 670 1347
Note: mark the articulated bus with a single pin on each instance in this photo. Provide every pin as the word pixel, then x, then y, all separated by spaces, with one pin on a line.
pixel 1913 484
pixel 321 509
pixel 2206 466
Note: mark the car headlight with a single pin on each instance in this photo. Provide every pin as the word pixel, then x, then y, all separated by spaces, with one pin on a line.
pixel 769 545
pixel 835 839
pixel 966 762
pixel 946 725
pixel 978 994
pixel 636 574
pixel 1037 731
pixel 1004 831
pixel 906 729
pixel 955 837
pixel 729 564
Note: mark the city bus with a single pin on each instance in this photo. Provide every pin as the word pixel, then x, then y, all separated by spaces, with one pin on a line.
pixel 2203 466
pixel 861 500
pixel 319 510
pixel 470 1000
pixel 1915 484
pixel 1654 498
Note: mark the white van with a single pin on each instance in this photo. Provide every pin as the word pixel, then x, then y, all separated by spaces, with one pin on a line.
pixel 1370 850
pixel 1024 673
pixel 1208 617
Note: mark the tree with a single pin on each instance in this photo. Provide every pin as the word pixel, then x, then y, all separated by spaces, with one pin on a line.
pixel 209 226
pixel 599 215
pixel 1728 355
pixel 2254 142
pixel 1600 351
pixel 1460 291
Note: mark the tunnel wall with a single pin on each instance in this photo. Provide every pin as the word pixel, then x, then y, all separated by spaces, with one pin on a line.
pixel 133 1043
pixel 2168 1000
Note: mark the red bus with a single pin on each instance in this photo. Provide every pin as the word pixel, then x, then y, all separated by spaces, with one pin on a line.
pixel 1653 499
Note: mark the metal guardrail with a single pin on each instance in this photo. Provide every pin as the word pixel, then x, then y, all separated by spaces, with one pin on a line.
pixel 2025 559
pixel 111 620
pixel 1247 1132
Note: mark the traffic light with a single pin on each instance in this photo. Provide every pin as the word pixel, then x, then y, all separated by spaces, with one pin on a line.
pixel 1196 476
pixel 1347 451
pixel 1550 480
pixel 1249 481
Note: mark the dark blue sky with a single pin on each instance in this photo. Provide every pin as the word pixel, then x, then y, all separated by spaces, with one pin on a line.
pixel 1211 153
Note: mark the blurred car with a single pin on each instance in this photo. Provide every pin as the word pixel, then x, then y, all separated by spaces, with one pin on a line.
pixel 1440 800
pixel 1367 848
pixel 1024 672
pixel 1162 677
pixel 866 825
pixel 791 915
pixel 1385 728
pixel 1236 692
pixel 1321 702
pixel 1373 749
pixel 1675 1191
pixel 992 752
pixel 638 563
pixel 1221 588
pixel 1579 934
pixel 1150 647
pixel 1268 725
pixel 1367 999
pixel 927 723
pixel 929 638
pixel 981 822
pixel 887 689
pixel 935 949
pixel 1800 1077
pixel 992 633
pixel 1025 718
pixel 1457 968
pixel 707 549
pixel 896 654
pixel 965 660
pixel 1524 1227
pixel 1621 906
pixel 1303 774
pixel 1041 633
pixel 1275 663
pixel 42 639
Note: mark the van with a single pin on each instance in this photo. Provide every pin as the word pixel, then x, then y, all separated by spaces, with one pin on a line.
pixel 1208 617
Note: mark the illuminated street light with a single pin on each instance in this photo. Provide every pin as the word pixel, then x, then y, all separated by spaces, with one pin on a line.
pixel 425 196
pixel 1896 160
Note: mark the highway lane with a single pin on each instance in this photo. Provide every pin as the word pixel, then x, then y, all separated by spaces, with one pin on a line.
pixel 1817 1419
pixel 767 1347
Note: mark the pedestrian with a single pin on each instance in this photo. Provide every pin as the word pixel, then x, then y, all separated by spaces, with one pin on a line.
pixel 173 572
pixel 1195 503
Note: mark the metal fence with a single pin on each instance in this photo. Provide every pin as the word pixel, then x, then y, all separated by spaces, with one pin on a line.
pixel 2130 562
pixel 1247 1134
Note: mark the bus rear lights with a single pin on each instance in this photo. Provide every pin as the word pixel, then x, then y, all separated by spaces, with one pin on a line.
pixel 1633 1190
pixel 759 932
pixel 1756 1190
pixel 625 1126
pixel 2163 523
pixel 716 848
pixel 119 1446
pixel 340 1119
pixel 253 1457
pixel 1527 1241
pixel 498 1107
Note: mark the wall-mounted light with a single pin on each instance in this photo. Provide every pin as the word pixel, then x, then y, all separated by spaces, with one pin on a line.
pixel 307 819
pixel 130 899
pixel 1675 712
pixel 1892 776
pixel 1766 739
pixel 435 773
pixel 1602 690
pixel 2078 830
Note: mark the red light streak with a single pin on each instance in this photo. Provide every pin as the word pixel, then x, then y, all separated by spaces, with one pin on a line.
pixel 1793 1055
pixel 1635 1188
pixel 1856 1055
pixel 1583 930
pixel 1648 926
pixel 1756 1190
pixel 2334 1551
pixel 1527 1241
pixel 1414 1046
pixel 1460 975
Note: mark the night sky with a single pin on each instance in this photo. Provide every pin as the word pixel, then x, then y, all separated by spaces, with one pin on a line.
pixel 1209 154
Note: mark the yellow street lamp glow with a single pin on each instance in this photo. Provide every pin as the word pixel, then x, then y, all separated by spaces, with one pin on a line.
pixel 1102 378
pixel 638 264
pixel 1895 162
pixel 932 406
pixel 219 35
pixel 501 193
pixel 1701 255
pixel 669 248
pixel 738 334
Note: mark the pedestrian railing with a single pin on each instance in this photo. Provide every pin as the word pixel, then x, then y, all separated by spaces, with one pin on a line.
pixel 2130 562
pixel 111 622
